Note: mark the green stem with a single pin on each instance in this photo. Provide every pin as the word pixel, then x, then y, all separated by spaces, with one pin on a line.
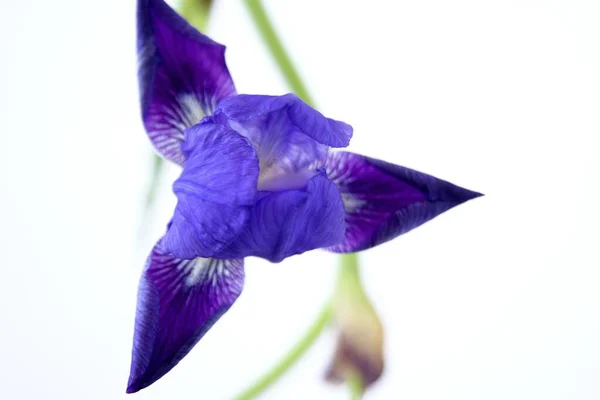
pixel 356 387
pixel 290 359
pixel 196 12
pixel 283 60
pixel 349 277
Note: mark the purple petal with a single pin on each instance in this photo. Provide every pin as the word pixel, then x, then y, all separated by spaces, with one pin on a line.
pixel 178 302
pixel 291 222
pixel 285 131
pixel 216 185
pixel 182 76
pixel 384 200
pixel 300 116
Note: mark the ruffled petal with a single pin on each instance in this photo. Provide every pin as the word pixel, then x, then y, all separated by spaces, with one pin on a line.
pixel 287 133
pixel 291 222
pixel 178 302
pixel 216 186
pixel 182 76
pixel 384 200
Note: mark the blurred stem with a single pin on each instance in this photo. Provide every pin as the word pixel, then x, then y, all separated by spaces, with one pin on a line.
pixel 157 165
pixel 349 275
pixel 196 12
pixel 356 387
pixel 290 358
pixel 269 36
pixel 350 290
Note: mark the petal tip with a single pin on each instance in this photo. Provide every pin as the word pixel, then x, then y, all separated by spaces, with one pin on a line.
pixel 439 190
pixel 135 384
pixel 462 195
pixel 476 195
pixel 132 388
pixel 141 378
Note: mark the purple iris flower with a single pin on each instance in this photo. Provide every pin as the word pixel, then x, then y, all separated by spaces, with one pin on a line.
pixel 258 179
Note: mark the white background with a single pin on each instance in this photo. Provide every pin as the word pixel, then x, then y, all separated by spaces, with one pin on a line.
pixel 497 299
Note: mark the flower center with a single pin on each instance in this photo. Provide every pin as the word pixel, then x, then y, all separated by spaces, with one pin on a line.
pixel 274 173
pixel 275 178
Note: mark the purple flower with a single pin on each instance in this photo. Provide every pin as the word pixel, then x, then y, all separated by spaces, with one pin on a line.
pixel 258 179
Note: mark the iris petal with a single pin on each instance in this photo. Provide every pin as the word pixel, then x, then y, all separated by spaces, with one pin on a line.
pixel 182 76
pixel 216 185
pixel 291 222
pixel 178 302
pixel 287 133
pixel 384 200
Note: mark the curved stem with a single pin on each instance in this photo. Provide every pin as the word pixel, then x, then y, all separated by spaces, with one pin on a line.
pixel 290 358
pixel 283 60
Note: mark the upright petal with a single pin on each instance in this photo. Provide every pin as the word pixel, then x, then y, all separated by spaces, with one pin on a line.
pixel 178 302
pixel 287 133
pixel 182 76
pixel 216 186
pixel 291 222
pixel 383 200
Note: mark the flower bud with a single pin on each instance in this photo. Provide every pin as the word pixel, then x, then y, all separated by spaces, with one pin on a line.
pixel 359 350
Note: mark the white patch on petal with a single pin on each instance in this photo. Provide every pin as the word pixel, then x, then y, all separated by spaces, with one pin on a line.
pixel 204 269
pixel 166 124
pixel 190 111
pixel 338 171
pixel 351 203
pixel 169 123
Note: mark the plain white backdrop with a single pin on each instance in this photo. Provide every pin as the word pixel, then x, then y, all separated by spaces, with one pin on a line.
pixel 496 299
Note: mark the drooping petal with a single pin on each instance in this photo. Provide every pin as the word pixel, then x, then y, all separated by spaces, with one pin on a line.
pixel 216 185
pixel 287 133
pixel 182 76
pixel 384 200
pixel 178 302
pixel 291 222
